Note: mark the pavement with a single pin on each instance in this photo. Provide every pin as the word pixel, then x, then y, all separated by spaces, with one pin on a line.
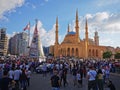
pixel 38 82
pixel 115 74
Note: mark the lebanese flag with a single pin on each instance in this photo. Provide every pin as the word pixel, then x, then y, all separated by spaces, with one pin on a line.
pixel 27 27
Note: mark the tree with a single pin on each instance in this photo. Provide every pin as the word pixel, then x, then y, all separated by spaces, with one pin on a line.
pixel 107 54
pixel 117 55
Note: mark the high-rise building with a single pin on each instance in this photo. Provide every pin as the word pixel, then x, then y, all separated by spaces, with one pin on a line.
pixel 18 44
pixel 3 42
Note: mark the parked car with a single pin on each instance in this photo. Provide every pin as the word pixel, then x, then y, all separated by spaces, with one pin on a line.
pixel 40 70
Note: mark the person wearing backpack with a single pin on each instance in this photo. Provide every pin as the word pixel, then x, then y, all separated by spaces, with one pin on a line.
pixel 100 82
pixel 91 76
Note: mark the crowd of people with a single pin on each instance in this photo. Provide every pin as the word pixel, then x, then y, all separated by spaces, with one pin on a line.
pixel 96 72
pixel 15 73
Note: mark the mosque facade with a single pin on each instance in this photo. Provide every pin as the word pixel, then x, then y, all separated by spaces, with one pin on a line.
pixel 73 46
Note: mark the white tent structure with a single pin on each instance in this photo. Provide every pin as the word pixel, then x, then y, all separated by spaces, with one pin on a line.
pixel 36 49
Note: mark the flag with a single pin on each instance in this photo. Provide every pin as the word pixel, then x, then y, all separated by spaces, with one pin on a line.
pixel 27 27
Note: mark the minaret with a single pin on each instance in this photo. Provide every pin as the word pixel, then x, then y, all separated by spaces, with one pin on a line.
pixel 96 38
pixel 56 40
pixel 86 31
pixel 68 28
pixel 77 27
pixel 56 32
pixel 86 39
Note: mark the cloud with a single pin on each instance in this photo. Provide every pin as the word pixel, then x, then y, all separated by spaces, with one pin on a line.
pixel 8 6
pixel 104 2
pixel 46 0
pixel 106 41
pixel 28 4
pixel 3 18
pixel 47 37
pixel 105 23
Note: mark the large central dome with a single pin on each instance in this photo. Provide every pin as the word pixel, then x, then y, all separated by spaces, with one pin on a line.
pixel 70 37
pixel 71 33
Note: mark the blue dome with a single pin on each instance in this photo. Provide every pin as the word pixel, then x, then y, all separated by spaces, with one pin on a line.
pixel 71 33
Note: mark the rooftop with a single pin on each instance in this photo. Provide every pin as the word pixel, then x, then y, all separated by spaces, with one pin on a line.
pixel 71 33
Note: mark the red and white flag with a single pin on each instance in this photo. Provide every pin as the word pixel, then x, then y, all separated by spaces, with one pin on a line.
pixel 27 27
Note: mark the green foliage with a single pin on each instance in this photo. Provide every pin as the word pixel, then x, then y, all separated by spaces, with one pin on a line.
pixel 107 54
pixel 117 55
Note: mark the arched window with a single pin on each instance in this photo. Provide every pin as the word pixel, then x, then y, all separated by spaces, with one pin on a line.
pixel 93 53
pixel 77 52
pixel 68 52
pixel 96 53
pixel 72 52
pixel 89 54
pixel 61 51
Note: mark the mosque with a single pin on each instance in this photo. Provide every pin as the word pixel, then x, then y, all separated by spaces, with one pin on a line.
pixel 73 46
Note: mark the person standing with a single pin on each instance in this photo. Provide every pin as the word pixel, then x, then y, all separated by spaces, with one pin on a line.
pixel 11 73
pixel 91 76
pixel 74 73
pixel 55 81
pixel 23 80
pixel 44 69
pixel 17 73
pixel 5 81
pixel 1 72
pixel 100 80
pixel 28 73
pixel 64 76
pixel 79 80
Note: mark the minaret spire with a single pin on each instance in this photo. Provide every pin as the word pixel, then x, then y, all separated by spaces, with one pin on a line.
pixel 77 15
pixel 56 32
pixel 68 28
pixel 86 30
pixel 56 40
pixel 86 39
pixel 77 27
pixel 56 20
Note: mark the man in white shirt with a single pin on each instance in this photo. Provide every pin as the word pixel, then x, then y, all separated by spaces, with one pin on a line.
pixel 11 74
pixel 91 75
pixel 17 73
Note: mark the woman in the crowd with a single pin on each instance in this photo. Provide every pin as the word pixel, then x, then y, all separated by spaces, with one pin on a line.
pixel 23 79
pixel 100 80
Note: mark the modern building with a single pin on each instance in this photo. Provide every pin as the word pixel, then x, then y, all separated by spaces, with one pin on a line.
pixel 18 44
pixel 3 42
pixel 73 46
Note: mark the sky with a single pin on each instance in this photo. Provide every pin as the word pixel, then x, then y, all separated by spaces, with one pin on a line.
pixel 103 16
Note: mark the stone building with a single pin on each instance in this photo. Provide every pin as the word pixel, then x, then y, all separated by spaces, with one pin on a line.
pixel 73 46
